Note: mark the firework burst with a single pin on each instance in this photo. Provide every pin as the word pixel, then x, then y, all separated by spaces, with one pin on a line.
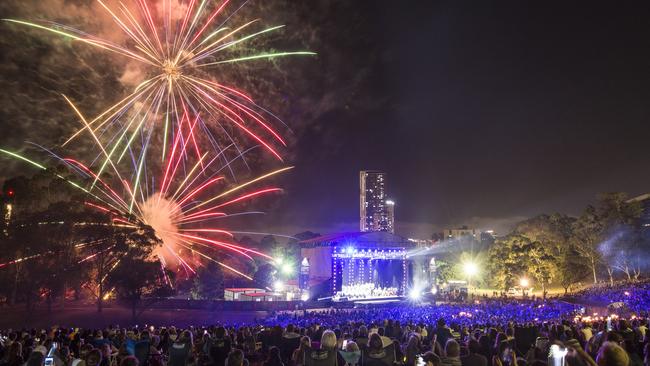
pixel 183 215
pixel 168 144
pixel 180 45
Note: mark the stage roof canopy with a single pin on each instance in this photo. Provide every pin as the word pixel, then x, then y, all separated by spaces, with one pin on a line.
pixel 370 239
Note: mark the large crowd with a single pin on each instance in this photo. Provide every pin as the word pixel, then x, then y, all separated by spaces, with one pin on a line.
pixel 482 333
pixel 633 297
pixel 482 312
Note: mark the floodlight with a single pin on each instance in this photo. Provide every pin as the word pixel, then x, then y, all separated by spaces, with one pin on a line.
pixel 278 286
pixel 287 269
pixel 415 294
pixel 470 269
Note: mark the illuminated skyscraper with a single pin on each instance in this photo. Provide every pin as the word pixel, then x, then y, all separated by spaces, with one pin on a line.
pixel 374 210
pixel 390 207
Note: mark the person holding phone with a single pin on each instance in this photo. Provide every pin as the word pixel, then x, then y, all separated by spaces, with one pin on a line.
pixel 575 354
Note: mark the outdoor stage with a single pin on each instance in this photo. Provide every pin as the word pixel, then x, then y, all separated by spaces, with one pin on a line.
pixel 367 266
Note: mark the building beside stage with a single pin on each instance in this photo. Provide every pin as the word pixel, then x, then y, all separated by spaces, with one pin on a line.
pixel 353 266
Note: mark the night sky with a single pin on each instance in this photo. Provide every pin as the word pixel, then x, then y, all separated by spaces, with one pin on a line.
pixel 481 113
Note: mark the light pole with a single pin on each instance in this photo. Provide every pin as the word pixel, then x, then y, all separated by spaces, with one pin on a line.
pixel 524 283
pixel 471 270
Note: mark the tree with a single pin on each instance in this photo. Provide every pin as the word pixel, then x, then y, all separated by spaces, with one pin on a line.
pixel 37 235
pixel 208 283
pixel 614 208
pixel 135 278
pixel 515 256
pixel 618 216
pixel 293 244
pixel 113 247
pixel 446 271
pixel 248 242
pixel 268 241
pixel 31 253
pixel 64 245
pixel 542 264
pixel 270 245
pixel 571 269
pixel 553 231
pixel 508 260
pixel 624 250
pixel 52 239
pixel 587 230
pixel 38 242
pixel 264 275
pixel 133 272
pixel 553 234
pixel 101 255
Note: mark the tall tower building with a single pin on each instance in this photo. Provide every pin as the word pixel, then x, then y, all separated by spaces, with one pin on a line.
pixel 390 208
pixel 373 203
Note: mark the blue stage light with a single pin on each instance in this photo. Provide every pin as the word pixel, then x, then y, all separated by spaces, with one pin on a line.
pixel 415 294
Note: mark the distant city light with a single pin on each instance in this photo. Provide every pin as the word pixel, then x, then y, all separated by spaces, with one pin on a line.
pixel 390 202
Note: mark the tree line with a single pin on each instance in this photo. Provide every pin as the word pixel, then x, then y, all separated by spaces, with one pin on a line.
pixel 55 245
pixel 606 242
